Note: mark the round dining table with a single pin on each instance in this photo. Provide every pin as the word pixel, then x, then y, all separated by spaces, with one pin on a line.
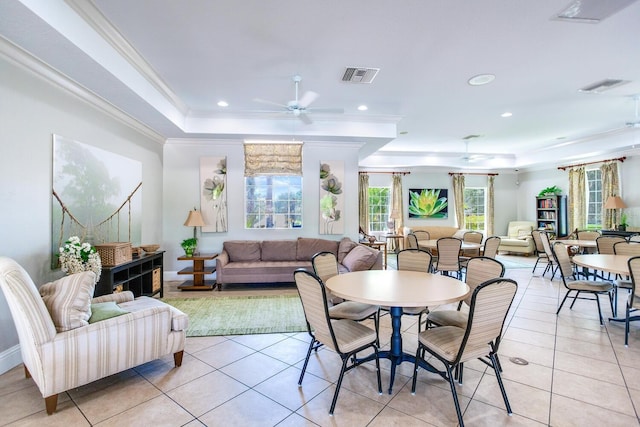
pixel 576 242
pixel 433 244
pixel 616 264
pixel 397 289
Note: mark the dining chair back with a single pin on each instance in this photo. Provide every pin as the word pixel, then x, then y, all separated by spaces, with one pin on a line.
pixel 627 248
pixel 415 260
pixel 422 235
pixel 412 241
pixel 479 270
pixel 551 262
pixel 452 346
pixel 472 237
pixel 448 256
pixel 491 246
pixel 325 265
pixel 593 287
pixel 539 249
pixel 588 235
pixel 633 302
pixel 345 337
pixel 605 244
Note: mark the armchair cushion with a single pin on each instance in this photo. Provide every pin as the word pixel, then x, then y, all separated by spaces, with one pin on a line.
pixel 345 246
pixel 105 310
pixel 68 300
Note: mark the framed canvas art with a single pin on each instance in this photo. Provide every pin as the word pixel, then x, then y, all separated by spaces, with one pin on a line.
pixel 428 203
pixel 213 194
pixel 331 197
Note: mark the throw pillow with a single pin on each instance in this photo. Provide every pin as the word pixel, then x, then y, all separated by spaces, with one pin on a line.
pixel 105 310
pixel 242 250
pixel 360 258
pixel 69 300
pixel 345 246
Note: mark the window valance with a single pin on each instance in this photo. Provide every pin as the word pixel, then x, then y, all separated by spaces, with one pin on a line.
pixel 272 159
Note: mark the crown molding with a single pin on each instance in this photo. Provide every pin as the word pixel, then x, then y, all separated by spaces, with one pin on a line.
pixel 25 60
pixel 92 16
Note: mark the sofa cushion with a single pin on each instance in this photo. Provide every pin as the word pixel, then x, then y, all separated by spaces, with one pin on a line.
pixel 360 258
pixel 308 247
pixel 345 246
pixel 516 231
pixel 105 310
pixel 68 300
pixel 278 250
pixel 242 250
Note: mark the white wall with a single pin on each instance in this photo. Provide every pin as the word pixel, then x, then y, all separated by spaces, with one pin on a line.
pixel 31 111
pixel 182 193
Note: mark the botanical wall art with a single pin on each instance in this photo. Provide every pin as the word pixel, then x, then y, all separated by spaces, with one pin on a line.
pixel 331 197
pixel 96 195
pixel 213 194
pixel 428 203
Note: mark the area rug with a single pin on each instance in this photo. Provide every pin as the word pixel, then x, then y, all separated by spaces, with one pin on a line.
pixel 241 315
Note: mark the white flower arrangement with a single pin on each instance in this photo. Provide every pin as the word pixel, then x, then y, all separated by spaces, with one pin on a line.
pixel 76 257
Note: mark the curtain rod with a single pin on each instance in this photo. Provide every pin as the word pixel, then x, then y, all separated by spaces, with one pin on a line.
pixel 392 173
pixel 471 173
pixel 620 159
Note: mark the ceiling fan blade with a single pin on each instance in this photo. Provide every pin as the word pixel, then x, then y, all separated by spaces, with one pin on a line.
pixel 264 101
pixel 307 99
pixel 326 110
pixel 304 118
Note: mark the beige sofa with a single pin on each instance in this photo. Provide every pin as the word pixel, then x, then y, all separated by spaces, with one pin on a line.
pixel 273 261
pixel 518 239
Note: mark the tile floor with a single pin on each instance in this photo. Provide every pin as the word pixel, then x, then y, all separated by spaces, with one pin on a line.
pixel 579 374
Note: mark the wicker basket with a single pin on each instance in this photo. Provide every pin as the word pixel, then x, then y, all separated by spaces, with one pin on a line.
pixel 115 253
pixel 155 284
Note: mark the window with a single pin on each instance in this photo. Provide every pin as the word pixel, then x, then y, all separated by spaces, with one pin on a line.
pixel 594 198
pixel 379 208
pixel 475 205
pixel 273 201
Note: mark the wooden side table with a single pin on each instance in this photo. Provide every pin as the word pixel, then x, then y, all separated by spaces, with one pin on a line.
pixel 198 271
pixel 381 246
pixel 396 238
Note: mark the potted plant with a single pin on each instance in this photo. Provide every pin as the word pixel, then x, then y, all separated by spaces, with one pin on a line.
pixel 550 191
pixel 623 222
pixel 189 246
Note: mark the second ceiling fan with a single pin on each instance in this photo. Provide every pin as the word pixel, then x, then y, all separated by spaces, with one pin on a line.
pixel 299 107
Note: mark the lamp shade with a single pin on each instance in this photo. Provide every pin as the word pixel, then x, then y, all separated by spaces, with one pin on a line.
pixel 394 214
pixel 194 219
pixel 614 202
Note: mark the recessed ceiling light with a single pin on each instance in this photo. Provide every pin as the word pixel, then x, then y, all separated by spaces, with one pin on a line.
pixel 506 114
pixel 481 79
pixel 363 108
pixel 223 104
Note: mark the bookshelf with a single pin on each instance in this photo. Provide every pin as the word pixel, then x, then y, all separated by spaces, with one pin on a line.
pixel 551 214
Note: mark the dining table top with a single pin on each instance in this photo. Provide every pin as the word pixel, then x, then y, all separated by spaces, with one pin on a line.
pixel 433 244
pixel 616 264
pixel 398 288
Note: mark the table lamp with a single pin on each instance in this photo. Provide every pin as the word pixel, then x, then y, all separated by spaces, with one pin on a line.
pixel 614 202
pixel 194 220
pixel 394 215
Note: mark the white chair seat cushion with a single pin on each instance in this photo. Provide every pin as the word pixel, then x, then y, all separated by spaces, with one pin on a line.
pixel 352 310
pixel 445 341
pixel 623 284
pixel 589 285
pixel 351 335
pixel 68 300
pixel 449 318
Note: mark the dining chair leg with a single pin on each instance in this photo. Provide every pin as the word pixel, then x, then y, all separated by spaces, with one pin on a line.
pixel 306 361
pixel 599 311
pixel 492 356
pixel 455 394
pixel 575 298
pixel 562 303
pixel 345 360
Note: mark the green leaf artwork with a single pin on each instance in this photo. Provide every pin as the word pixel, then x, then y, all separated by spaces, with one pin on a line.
pixel 428 203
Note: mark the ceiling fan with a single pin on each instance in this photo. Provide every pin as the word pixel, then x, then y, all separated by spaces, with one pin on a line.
pixel 636 121
pixel 470 158
pixel 299 107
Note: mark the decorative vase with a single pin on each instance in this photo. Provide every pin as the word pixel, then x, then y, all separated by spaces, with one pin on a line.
pixel 372 239
pixel 189 251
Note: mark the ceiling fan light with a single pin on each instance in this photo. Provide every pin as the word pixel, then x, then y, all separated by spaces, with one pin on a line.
pixel 223 104
pixel 481 79
pixel 362 108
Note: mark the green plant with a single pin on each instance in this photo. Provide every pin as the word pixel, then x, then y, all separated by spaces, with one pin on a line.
pixel 623 219
pixel 190 243
pixel 550 190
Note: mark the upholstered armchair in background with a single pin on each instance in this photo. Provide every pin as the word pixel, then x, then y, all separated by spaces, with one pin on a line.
pixel 64 344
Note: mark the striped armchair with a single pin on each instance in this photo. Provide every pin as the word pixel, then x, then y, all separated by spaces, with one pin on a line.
pixel 59 361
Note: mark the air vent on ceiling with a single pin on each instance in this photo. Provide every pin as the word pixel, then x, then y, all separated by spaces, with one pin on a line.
pixel 591 11
pixel 602 85
pixel 360 74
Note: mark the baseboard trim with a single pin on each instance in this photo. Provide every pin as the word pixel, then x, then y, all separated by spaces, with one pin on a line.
pixel 10 358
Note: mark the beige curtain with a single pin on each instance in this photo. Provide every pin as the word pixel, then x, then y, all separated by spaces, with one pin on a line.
pixel 396 205
pixel 577 199
pixel 490 206
pixel 363 202
pixel 458 197
pixel 272 159
pixel 610 187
